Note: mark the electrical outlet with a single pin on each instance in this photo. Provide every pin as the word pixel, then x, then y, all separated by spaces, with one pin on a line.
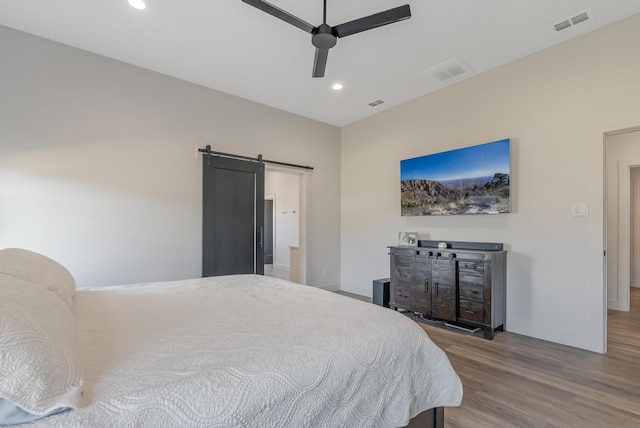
pixel 324 273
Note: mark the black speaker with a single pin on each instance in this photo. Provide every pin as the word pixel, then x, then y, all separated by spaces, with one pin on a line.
pixel 381 292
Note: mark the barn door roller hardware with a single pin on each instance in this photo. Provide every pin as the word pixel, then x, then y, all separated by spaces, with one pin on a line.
pixel 208 153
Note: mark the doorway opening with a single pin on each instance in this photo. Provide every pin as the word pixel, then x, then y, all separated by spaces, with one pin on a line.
pixel 622 232
pixel 285 199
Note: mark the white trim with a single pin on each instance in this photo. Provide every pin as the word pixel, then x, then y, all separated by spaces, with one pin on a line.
pixel 304 221
pixel 330 287
pixel 272 197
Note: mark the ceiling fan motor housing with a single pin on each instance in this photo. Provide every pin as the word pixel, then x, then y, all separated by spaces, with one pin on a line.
pixel 323 38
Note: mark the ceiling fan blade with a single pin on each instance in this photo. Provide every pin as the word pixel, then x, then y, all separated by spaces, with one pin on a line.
pixel 320 62
pixel 390 16
pixel 280 14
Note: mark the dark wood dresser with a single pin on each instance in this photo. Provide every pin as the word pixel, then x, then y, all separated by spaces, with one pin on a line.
pixel 463 284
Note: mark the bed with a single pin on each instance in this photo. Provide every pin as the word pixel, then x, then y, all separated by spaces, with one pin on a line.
pixel 230 351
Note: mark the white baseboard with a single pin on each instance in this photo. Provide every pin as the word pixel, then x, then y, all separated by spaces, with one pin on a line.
pixel 615 305
pixel 330 287
pixel 281 266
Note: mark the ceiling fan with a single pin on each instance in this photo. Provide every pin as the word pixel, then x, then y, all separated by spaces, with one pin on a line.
pixel 324 36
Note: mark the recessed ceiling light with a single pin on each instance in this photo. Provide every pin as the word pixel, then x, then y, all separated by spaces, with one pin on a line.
pixel 337 86
pixel 138 4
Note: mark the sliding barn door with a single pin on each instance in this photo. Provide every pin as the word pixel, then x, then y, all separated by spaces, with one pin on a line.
pixel 233 216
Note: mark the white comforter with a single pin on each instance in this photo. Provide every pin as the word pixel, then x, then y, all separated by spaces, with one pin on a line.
pixel 250 351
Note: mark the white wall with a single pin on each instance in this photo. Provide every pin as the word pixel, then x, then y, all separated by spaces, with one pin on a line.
pixel 285 187
pixel 555 106
pixel 98 164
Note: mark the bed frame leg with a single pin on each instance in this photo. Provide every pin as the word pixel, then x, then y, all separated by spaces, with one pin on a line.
pixel 432 418
pixel 438 417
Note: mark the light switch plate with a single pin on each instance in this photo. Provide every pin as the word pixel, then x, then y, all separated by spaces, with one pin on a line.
pixel 580 210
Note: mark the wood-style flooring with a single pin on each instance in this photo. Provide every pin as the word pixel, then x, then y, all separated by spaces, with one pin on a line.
pixel 518 381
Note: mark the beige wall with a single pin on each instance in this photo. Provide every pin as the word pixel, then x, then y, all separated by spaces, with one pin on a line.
pixel 98 164
pixel 555 106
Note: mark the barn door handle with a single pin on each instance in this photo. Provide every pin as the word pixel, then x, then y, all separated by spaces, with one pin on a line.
pixel 260 237
pixel 426 286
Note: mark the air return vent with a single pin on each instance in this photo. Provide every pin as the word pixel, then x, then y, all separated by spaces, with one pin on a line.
pixel 449 69
pixel 574 20
pixel 562 25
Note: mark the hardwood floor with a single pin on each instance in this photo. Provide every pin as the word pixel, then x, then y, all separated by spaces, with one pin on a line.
pixel 517 381
pixel 276 271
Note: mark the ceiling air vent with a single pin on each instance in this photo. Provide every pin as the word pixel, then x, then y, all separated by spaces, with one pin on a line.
pixel 580 18
pixel 376 103
pixel 562 25
pixel 449 69
pixel 574 20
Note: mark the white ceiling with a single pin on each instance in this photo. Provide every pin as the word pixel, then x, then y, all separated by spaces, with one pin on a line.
pixel 235 48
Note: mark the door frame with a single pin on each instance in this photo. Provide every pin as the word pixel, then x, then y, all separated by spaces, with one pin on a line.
pixel 272 197
pixel 624 222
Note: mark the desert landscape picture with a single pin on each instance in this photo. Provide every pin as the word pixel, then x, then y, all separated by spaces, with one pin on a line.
pixel 470 180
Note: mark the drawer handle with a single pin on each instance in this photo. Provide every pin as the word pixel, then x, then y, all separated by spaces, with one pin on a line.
pixel 469 311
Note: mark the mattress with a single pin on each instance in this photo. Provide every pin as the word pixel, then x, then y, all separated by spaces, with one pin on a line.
pixel 249 351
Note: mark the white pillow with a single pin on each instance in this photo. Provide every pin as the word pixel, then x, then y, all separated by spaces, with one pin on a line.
pixel 40 270
pixel 39 368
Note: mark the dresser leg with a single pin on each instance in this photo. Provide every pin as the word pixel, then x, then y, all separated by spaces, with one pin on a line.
pixel 488 333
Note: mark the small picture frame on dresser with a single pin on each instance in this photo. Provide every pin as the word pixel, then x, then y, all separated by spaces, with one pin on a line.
pixel 408 239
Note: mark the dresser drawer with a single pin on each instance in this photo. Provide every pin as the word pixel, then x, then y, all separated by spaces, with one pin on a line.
pixel 474 269
pixel 401 275
pixel 473 290
pixel 401 296
pixel 471 279
pixel 403 260
pixel 471 310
